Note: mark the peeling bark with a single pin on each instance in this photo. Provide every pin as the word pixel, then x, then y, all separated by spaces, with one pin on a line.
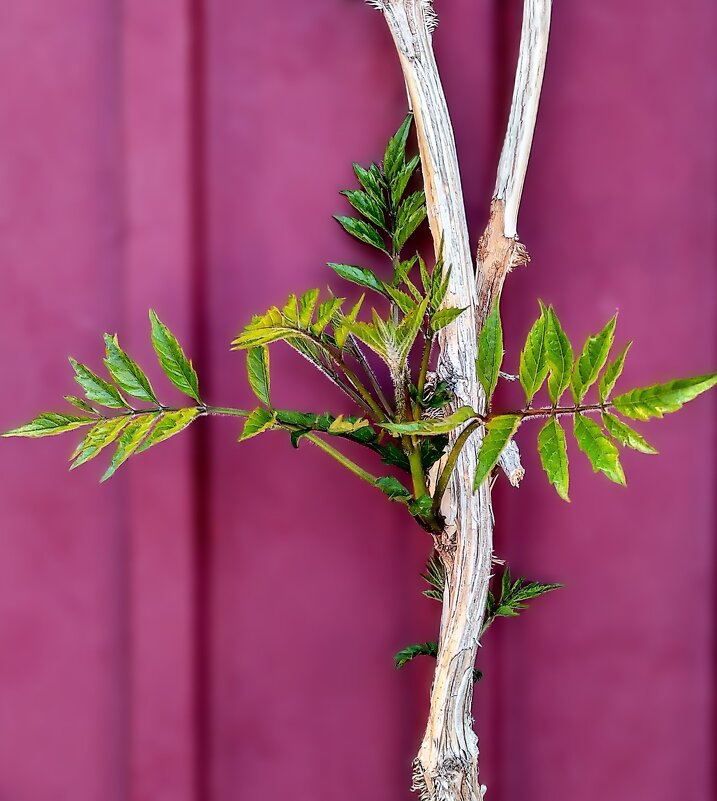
pixel 446 767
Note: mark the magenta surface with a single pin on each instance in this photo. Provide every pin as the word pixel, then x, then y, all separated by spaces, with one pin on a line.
pixel 218 623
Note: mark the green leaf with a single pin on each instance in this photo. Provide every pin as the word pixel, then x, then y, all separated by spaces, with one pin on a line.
pixel 342 328
pixel 393 488
pixel 490 352
pixel 362 230
pixel 259 420
pixel 421 507
pixel 132 436
pixel 96 388
pixel 626 435
pixel 654 401
pixel 349 426
pixel 533 360
pixel 421 649
pixel 435 575
pixel 360 276
pixel 526 592
pixel 499 430
pixel 80 404
pixel 325 314
pixel 603 455
pixel 443 318
pixel 559 355
pixel 175 364
pixel 612 372
pixel 395 155
pixel 127 374
pixel 432 428
pixel 98 437
pixel 372 182
pixel 554 456
pixel 257 365
pixel 365 204
pixel 592 359
pixel 404 302
pixel 400 182
pixel 411 214
pixel 48 424
pixel 432 448
pixel 307 304
pixel 170 423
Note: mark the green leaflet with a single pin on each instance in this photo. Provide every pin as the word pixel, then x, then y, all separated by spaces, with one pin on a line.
pixel 513 595
pixel 592 359
pixel 421 649
pixel 170 423
pixel 411 213
pixel 432 428
pixel 371 181
pixel 362 230
pixel 625 435
pixel 96 388
pixel 48 424
pixel 307 304
pixel 421 506
pixel 435 576
pixel 490 352
pixel 400 182
pixel 659 399
pixel 554 456
pixel 259 420
pixel 127 374
pixel 395 155
pixel 175 364
pixel 533 359
pixel 347 426
pixel 404 301
pixel 128 443
pixel 98 437
pixel 499 430
pixel 257 365
pixel 559 354
pixel 367 205
pixel 342 328
pixel 393 488
pixel 603 455
pixel 360 276
pixel 325 314
pixel 612 372
pixel 444 317
pixel 80 404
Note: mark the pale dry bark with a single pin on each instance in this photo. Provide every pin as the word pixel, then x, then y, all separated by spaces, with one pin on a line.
pixel 446 768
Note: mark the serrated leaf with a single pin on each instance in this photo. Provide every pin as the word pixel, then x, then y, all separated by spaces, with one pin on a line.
pixel 490 352
pixel 395 155
pixel 132 436
pixel 257 366
pixel 626 435
pixel 365 204
pixel 400 182
pixel 432 428
pixel 554 456
pixel 342 329
pixel 96 388
pixel 499 430
pixel 530 590
pixel 659 399
pixel 80 404
pixel 420 649
pixel 342 426
pixel 432 448
pixel 603 455
pixel 444 317
pixel 325 313
pixel 169 424
pixel 392 487
pixel 307 304
pixel 612 372
pixel 559 355
pixel 372 182
pixel 421 507
pixel 592 360
pixel 404 302
pixel 362 230
pixel 533 359
pixel 126 373
pixel 435 575
pixel 176 366
pixel 48 424
pixel 411 213
pixel 98 437
pixel 359 275
pixel 259 420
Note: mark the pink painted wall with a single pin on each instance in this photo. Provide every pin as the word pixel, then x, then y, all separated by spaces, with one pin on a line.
pixel 164 637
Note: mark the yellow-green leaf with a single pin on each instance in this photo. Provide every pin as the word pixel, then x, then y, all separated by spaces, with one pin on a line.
pixel 132 436
pixel 432 428
pixel 612 372
pixel 49 424
pixel 98 437
pixel 259 420
pixel 592 359
pixel 499 430
pixel 559 354
pixel 626 435
pixel 127 374
pixel 177 367
pixel 533 359
pixel 603 455
pixel 257 365
pixel 96 388
pixel 490 352
pixel 654 401
pixel 554 456
pixel 169 424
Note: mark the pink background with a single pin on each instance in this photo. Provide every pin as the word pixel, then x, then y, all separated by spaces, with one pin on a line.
pixel 218 622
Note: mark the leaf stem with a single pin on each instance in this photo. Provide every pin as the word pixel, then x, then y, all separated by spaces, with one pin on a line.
pixel 450 464
pixel 341 458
